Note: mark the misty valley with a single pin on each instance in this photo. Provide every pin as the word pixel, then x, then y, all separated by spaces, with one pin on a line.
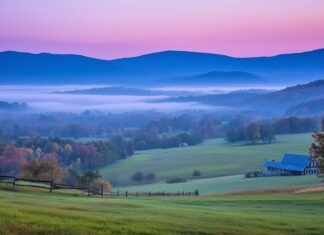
pixel 173 126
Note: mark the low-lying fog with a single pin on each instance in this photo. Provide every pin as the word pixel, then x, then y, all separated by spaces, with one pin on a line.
pixel 42 98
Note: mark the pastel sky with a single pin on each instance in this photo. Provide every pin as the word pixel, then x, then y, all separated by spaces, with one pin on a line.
pixel 122 28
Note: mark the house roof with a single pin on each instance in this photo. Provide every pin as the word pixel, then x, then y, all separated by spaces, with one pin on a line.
pixel 290 162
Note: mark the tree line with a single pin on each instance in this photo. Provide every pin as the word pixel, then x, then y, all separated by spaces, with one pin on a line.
pixel 101 125
pixel 256 132
pixel 59 159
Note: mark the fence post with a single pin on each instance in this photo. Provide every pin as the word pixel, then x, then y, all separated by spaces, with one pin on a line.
pixel 102 190
pixel 126 194
pixel 183 193
pixel 88 190
pixel 51 186
pixel 117 192
pixel 163 193
pixel 14 184
pixel 150 194
pixel 136 194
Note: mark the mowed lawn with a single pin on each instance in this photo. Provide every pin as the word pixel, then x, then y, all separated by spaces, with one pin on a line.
pixel 276 213
pixel 227 184
pixel 213 158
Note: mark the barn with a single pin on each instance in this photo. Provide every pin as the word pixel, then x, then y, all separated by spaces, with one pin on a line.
pixel 292 164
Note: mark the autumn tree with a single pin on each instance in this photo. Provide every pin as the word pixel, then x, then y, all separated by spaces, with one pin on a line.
pixel 98 186
pixel 317 148
pixel 12 159
pixel 46 168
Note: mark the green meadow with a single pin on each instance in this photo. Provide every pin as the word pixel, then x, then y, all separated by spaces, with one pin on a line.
pixel 227 184
pixel 264 213
pixel 213 158
pixel 254 211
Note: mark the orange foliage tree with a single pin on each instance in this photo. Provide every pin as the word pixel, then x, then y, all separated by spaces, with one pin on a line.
pixel 45 169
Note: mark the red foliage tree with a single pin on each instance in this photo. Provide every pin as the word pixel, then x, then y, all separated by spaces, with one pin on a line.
pixel 12 159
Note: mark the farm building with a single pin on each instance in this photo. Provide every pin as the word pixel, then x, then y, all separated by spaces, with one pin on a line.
pixel 292 164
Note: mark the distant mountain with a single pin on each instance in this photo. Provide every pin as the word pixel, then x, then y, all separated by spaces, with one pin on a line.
pixel 152 69
pixel 27 68
pixel 235 78
pixel 288 68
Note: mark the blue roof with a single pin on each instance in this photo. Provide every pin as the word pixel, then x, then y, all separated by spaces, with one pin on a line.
pixel 290 162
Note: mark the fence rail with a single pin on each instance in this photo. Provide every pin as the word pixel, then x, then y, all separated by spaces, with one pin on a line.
pixel 50 185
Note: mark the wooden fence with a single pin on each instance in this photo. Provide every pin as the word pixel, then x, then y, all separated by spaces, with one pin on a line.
pixel 50 185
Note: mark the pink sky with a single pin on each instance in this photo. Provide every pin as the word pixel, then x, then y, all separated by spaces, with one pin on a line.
pixel 122 28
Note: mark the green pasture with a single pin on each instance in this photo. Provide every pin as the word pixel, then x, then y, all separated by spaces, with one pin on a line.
pixel 213 158
pixel 227 184
pixel 56 213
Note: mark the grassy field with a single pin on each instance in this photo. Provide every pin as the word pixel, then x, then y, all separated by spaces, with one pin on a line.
pixel 276 213
pixel 227 184
pixel 213 158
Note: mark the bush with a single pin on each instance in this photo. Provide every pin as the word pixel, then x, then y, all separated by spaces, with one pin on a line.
pixel 196 174
pixel 98 186
pixel 176 180
pixel 248 175
pixel 253 174
pixel 138 176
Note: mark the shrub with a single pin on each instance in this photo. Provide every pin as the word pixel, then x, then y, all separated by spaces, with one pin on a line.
pixel 196 174
pixel 98 186
pixel 138 176
pixel 248 175
pixel 176 180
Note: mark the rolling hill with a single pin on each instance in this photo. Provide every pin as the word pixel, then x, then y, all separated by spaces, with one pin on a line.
pixel 156 68
pixel 312 107
pixel 213 158
pixel 276 102
pixel 290 96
